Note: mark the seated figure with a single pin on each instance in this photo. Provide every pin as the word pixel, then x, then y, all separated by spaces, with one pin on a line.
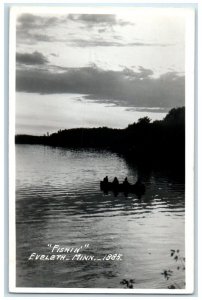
pixel 105 179
pixel 125 182
pixel 115 181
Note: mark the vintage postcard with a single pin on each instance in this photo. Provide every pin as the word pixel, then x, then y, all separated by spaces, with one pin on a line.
pixel 101 149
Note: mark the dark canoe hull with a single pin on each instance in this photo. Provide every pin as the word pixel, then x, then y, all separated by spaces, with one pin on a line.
pixel 137 188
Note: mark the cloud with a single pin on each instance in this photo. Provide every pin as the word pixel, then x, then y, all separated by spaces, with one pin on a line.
pixel 53 54
pixel 33 38
pixel 127 89
pixel 35 58
pixel 99 42
pixel 145 72
pixel 101 30
pixel 91 20
pixel 42 37
pixel 29 28
pixel 142 74
pixel 149 109
pixel 30 21
pixel 33 29
pixel 94 43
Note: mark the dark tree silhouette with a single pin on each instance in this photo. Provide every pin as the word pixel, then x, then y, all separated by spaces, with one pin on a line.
pixel 144 121
pixel 146 141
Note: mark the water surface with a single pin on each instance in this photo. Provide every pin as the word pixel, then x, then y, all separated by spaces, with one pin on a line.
pixel 58 201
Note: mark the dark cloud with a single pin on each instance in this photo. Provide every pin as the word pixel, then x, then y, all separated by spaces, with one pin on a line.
pixel 30 21
pixel 28 24
pixel 97 20
pixel 35 58
pixel 128 89
pixel 93 18
pixel 26 20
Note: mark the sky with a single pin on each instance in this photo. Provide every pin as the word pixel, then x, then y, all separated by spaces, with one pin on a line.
pixel 97 68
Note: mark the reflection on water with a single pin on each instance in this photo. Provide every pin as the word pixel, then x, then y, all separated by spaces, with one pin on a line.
pixel 58 201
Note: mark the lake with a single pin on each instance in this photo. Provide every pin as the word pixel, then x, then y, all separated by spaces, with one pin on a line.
pixel 59 202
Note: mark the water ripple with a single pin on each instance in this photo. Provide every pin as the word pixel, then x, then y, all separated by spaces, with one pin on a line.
pixel 58 200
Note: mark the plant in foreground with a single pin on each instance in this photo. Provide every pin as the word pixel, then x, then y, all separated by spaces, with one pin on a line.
pixel 175 254
pixel 128 283
pixel 168 274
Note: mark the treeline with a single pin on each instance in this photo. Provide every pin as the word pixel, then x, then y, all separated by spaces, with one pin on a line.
pixel 145 140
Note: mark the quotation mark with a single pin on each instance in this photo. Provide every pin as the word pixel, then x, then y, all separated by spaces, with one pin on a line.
pixel 85 246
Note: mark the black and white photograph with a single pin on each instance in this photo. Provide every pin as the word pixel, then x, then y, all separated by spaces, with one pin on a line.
pixel 101 138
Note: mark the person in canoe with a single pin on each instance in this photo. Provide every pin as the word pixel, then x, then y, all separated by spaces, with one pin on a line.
pixel 115 181
pixel 126 183
pixel 105 180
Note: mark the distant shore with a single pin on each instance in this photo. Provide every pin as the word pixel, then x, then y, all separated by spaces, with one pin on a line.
pixel 162 141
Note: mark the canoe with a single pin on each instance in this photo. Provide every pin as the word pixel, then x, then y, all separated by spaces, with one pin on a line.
pixel 137 188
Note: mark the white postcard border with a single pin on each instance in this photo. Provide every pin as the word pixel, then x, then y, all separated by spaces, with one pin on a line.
pixel 189 191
